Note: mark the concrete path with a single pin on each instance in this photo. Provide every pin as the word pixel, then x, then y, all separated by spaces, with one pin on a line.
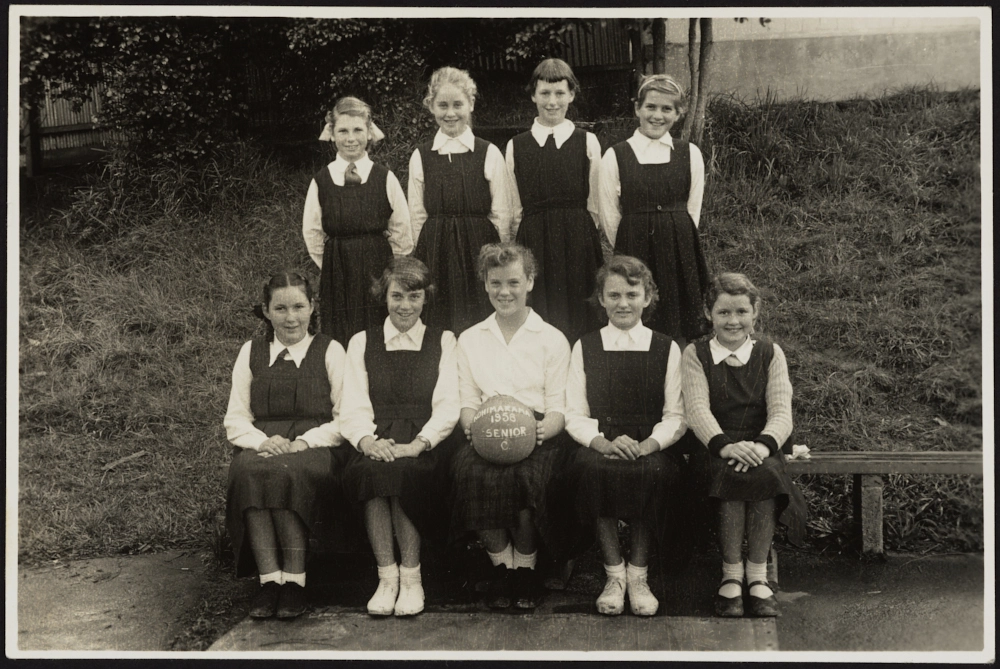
pixel 906 603
pixel 119 603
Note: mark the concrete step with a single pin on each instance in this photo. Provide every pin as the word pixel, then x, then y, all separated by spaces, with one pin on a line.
pixel 563 622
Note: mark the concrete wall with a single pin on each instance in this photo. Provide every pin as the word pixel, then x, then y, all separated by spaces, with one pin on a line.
pixel 835 58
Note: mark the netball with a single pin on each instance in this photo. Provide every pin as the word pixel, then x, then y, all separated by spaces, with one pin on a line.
pixel 503 430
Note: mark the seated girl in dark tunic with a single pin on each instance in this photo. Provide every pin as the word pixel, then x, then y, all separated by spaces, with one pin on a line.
pixel 738 401
pixel 400 407
pixel 282 419
pixel 624 407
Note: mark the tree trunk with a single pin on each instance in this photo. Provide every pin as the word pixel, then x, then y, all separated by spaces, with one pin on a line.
pixel 704 76
pixel 638 52
pixel 33 152
pixel 693 70
pixel 659 46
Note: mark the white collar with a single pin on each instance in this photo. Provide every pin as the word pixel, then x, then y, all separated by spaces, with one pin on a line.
pixel 466 139
pixel 640 139
pixel 364 162
pixel 720 352
pixel 415 333
pixel 533 323
pixel 561 132
pixel 297 352
pixel 640 335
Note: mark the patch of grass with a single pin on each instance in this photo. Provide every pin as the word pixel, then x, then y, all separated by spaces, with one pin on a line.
pixel 859 221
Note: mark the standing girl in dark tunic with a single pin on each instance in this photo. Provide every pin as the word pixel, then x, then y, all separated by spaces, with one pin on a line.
pixel 651 188
pixel 282 419
pixel 513 352
pixel 554 196
pixel 400 407
pixel 738 401
pixel 355 219
pixel 624 407
pixel 459 198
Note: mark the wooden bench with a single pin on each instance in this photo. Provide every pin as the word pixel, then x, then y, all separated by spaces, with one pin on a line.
pixel 868 467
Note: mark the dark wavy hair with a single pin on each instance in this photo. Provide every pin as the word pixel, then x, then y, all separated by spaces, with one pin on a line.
pixel 635 272
pixel 492 256
pixel 731 283
pixel 286 279
pixel 409 273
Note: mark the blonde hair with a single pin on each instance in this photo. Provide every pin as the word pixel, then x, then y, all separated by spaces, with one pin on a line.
pixel 731 283
pixel 664 84
pixel 492 256
pixel 453 76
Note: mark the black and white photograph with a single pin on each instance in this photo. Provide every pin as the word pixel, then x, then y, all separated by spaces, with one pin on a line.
pixel 478 333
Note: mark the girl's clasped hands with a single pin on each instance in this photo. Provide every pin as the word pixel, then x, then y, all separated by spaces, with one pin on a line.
pixel 278 445
pixel 744 454
pixel 387 450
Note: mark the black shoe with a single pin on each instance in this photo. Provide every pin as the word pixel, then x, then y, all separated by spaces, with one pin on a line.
pixel 525 588
pixel 762 607
pixel 499 595
pixel 265 602
pixel 729 607
pixel 292 601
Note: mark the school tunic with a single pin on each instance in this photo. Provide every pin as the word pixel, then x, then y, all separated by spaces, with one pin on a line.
pixel 555 214
pixel 627 383
pixel 410 382
pixel 730 401
pixel 646 211
pixel 532 368
pixel 362 225
pixel 294 397
pixel 459 199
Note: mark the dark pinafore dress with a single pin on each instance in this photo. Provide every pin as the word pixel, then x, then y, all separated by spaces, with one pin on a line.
pixel 401 388
pixel 554 185
pixel 625 395
pixel 657 229
pixel 355 220
pixel 289 401
pixel 458 201
pixel 738 398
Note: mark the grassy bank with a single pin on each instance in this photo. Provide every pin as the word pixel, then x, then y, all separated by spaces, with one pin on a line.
pixel 859 220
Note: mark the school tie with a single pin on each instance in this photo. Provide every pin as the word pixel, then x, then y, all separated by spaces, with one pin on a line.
pixel 624 342
pixel 550 141
pixel 733 361
pixel 351 176
pixel 282 356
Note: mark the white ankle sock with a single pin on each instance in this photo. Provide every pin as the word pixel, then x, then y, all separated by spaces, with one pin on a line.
pixel 522 560
pixel 758 572
pixel 735 572
pixel 409 574
pixel 390 572
pixel 504 557
pixel 632 572
pixel 273 577
pixel 615 571
pixel 288 577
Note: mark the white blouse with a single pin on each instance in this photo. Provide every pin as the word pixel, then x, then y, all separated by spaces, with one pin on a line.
pixel 400 236
pixel 495 172
pixel 647 152
pixel 532 368
pixel 239 419
pixel 358 416
pixel 560 133
pixel 579 423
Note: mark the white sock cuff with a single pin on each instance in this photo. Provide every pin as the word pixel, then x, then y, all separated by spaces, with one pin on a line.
pixel 287 577
pixel 504 557
pixel 636 572
pixel 522 560
pixel 272 577
pixel 410 574
pixel 389 572
pixel 732 571
pixel 616 570
pixel 756 572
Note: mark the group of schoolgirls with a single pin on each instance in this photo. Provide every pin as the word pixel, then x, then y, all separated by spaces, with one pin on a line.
pixel 504 252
